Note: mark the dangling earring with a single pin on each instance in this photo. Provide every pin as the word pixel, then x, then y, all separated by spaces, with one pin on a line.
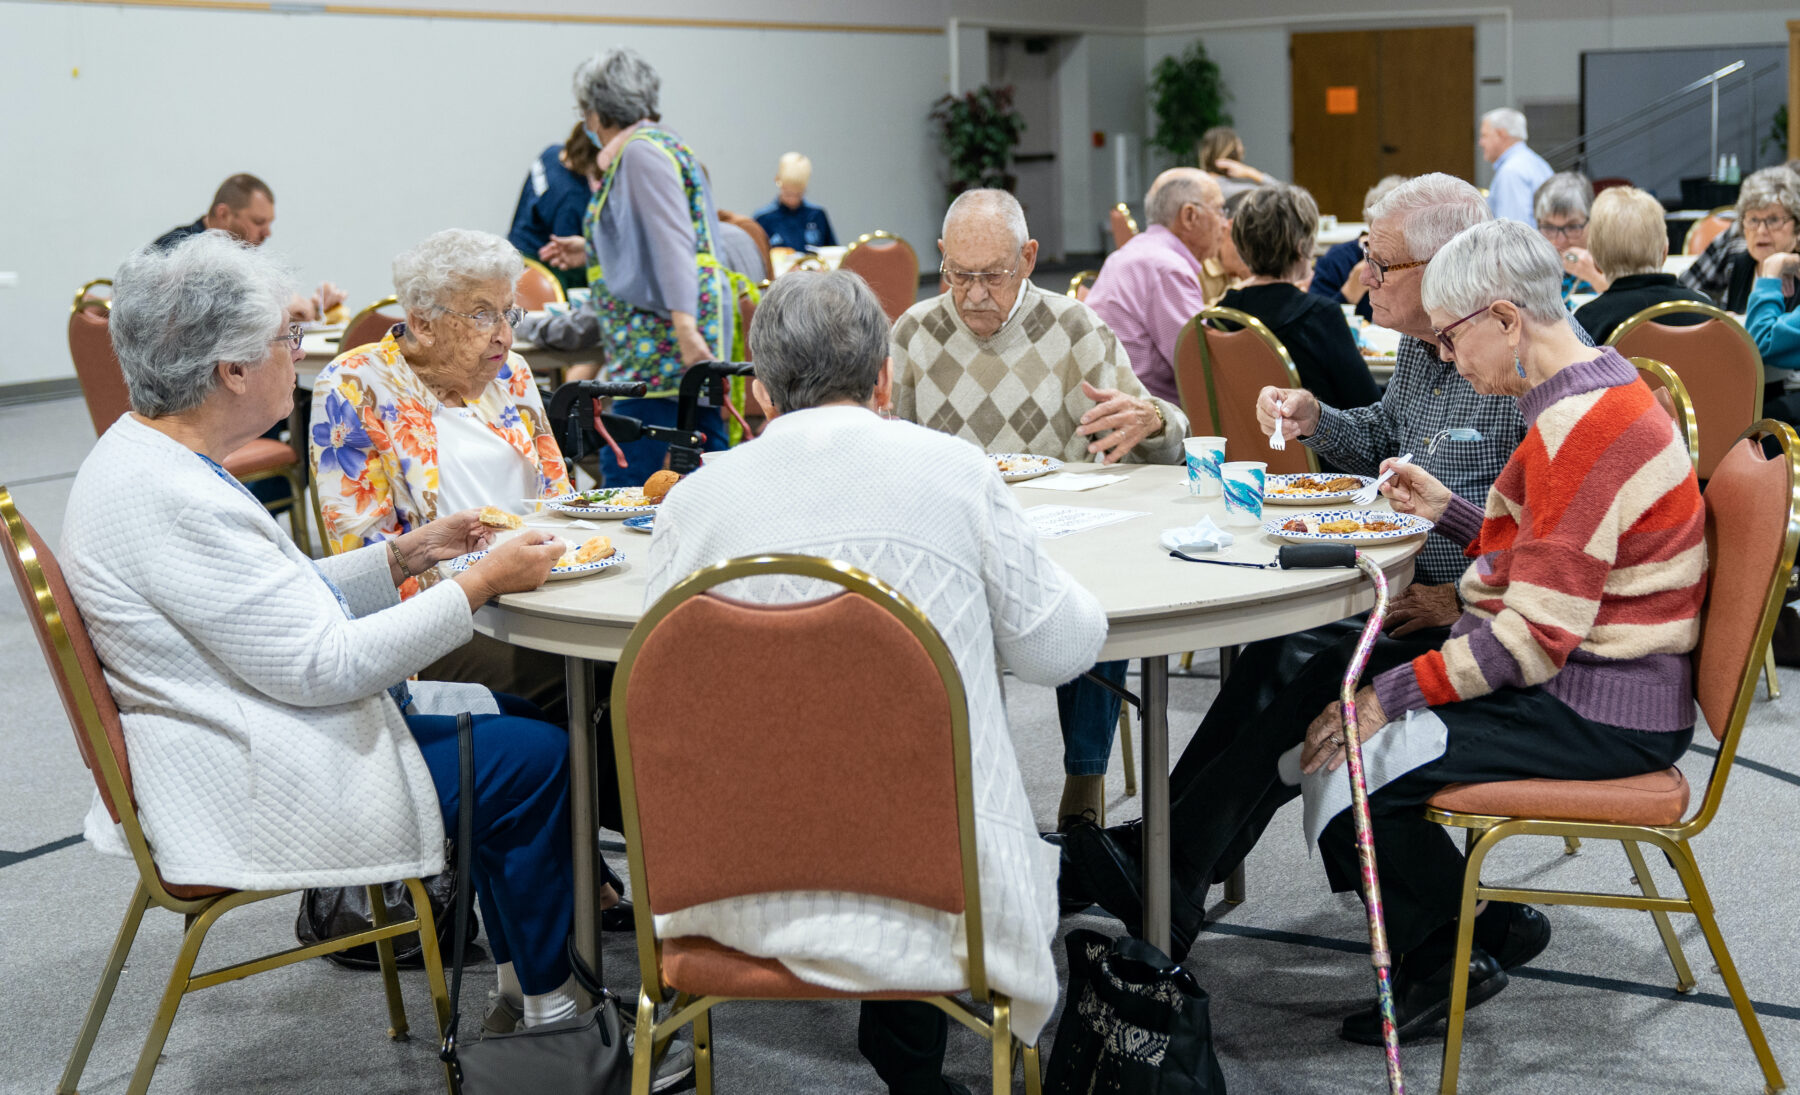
pixel 1519 366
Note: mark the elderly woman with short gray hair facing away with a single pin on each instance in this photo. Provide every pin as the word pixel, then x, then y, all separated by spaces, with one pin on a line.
pixel 275 740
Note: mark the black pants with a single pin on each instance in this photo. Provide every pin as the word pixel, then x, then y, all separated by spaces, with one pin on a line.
pixel 1781 404
pixel 905 1041
pixel 1225 788
pixel 1509 734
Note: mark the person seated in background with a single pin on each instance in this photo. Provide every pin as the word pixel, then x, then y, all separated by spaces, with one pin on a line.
pixel 1770 213
pixel 275 740
pixel 972 564
pixel 1337 276
pixel 1595 518
pixel 1149 289
pixel 1768 209
pixel 555 197
pixel 1274 230
pixel 1001 363
pixel 244 208
pixel 1562 206
pixel 1711 270
pixel 1629 240
pixel 1224 268
pixel 790 220
pixel 1518 171
pixel 1222 156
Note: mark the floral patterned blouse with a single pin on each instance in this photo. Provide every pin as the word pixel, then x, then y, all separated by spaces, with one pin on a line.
pixel 374 442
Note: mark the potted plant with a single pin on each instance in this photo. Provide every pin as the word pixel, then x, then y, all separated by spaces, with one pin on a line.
pixel 978 132
pixel 1190 98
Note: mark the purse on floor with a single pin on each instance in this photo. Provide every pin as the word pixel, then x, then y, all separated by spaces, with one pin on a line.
pixel 1134 1022
pixel 583 1055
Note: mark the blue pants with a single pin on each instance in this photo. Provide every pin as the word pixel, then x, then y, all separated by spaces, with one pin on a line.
pixel 644 457
pixel 1089 714
pixel 523 874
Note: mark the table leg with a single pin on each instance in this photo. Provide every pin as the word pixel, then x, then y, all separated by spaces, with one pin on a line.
pixel 584 809
pixel 1153 784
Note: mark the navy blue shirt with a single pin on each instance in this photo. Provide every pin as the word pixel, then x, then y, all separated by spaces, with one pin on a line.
pixel 1332 269
pixel 807 226
pixel 551 203
pixel 175 235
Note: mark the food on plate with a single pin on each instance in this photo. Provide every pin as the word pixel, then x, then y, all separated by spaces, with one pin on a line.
pixel 1370 351
pixel 1343 526
pixel 592 550
pixel 1010 464
pixel 1382 526
pixel 1342 482
pixel 337 313
pixel 617 496
pixel 495 517
pixel 1295 524
pixel 658 485
pixel 1309 484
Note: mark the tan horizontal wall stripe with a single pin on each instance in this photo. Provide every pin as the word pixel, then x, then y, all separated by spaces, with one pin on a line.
pixel 302 8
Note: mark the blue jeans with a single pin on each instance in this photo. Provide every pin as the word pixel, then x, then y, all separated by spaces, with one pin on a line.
pixel 523 873
pixel 1089 714
pixel 644 458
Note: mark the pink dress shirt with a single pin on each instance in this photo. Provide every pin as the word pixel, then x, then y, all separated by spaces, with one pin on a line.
pixel 1146 292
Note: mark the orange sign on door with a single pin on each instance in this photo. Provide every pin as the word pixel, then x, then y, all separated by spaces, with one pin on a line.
pixel 1340 100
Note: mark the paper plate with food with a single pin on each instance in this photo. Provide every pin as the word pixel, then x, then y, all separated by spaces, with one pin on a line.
pixel 1016 467
pixel 1347 526
pixel 1311 488
pixel 594 554
pixel 614 503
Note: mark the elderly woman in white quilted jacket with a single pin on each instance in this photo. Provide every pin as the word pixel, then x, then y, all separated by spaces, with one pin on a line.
pixel 273 743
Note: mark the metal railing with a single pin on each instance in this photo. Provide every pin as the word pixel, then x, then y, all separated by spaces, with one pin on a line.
pixel 1574 153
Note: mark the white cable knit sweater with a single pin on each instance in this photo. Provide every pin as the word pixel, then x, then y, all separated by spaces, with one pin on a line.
pixel 264 750
pixel 926 513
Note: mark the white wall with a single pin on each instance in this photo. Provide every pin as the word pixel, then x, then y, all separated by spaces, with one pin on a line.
pixel 169 102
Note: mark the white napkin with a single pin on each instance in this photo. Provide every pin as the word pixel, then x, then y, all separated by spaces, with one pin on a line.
pixel 1204 536
pixel 1062 480
pixel 1414 741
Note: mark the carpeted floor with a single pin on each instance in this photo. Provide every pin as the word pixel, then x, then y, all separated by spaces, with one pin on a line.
pixel 1596 1013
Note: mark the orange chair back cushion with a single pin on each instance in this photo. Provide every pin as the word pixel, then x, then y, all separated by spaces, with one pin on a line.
pixel 891 269
pixel 837 775
pixel 1721 374
pixel 1747 502
pixel 1121 228
pixel 534 290
pixel 97 368
pixel 1242 364
pixel 367 328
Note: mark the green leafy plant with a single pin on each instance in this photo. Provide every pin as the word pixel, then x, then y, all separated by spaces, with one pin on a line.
pixel 1190 97
pixel 978 132
pixel 1778 132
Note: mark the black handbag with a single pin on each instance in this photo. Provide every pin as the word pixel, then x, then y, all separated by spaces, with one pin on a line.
pixel 584 1055
pixel 1134 1022
pixel 328 913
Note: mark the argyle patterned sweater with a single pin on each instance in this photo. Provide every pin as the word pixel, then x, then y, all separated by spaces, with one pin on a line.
pixel 1590 563
pixel 1020 390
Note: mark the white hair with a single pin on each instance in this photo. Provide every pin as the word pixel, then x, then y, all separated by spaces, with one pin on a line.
pixel 1175 188
pixel 619 85
pixel 178 313
pixel 1499 260
pixel 1379 191
pixel 793 168
pixel 1432 209
pixel 1563 194
pixel 449 262
pixel 997 204
pixel 1506 120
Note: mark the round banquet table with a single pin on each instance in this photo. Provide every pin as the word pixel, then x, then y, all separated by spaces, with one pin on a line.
pixel 1156 605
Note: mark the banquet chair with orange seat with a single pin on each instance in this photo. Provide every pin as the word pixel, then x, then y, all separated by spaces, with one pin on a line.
pixel 371 324
pixel 1707 229
pixel 1124 226
pixel 813 789
pixel 108 399
pixel 890 266
pixel 1081 283
pixel 1219 373
pixel 1752 533
pixel 99 735
pixel 536 287
pixel 1717 361
pixel 757 236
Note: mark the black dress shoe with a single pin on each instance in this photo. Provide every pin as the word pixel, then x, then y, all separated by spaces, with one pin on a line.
pixel 1107 868
pixel 1422 1002
pixel 1070 897
pixel 1527 934
pixel 619 918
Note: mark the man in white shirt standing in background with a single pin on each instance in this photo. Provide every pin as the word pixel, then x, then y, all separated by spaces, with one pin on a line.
pixel 1518 171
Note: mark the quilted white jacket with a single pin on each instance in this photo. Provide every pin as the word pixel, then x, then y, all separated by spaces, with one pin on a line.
pixel 264 749
pixel 928 514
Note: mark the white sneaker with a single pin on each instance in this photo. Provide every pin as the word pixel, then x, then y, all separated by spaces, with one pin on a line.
pixel 677 1064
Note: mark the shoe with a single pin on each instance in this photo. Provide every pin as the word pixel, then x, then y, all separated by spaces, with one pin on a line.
pixel 503 1016
pixel 677 1064
pixel 1785 642
pixel 1527 934
pixel 1107 869
pixel 618 918
pixel 1422 1002
pixel 1070 897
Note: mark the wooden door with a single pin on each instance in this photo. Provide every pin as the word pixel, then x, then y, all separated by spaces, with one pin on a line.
pixel 1369 103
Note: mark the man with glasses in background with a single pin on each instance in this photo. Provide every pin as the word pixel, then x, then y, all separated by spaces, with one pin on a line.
pixel 1013 368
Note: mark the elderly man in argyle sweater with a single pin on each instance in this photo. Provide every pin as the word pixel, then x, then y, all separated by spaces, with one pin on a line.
pixel 1012 368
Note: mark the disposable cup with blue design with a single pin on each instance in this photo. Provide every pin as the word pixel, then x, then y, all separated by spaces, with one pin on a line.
pixel 1243 484
pixel 1205 456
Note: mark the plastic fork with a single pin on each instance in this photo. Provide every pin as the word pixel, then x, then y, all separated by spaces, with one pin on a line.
pixel 1277 440
pixel 1367 495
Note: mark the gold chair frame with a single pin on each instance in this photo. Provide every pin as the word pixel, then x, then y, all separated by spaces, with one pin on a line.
pixel 1676 307
pixel 879 234
pixel 1130 221
pixel 1485 832
pixel 653 1037
pixel 1684 405
pixel 562 294
pixel 82 299
pixel 201 913
pixel 1200 325
pixel 1687 240
pixel 384 302
pixel 1084 278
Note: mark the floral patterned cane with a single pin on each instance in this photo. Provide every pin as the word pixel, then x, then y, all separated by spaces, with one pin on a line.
pixel 1365 840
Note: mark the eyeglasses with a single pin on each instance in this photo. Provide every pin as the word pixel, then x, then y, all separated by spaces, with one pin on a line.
pixel 487 320
pixel 292 338
pixel 1380 269
pixel 964 279
pixel 1767 224
pixel 1445 342
pixel 1565 231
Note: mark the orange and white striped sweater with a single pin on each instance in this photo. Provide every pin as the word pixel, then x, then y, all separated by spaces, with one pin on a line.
pixel 1590 563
